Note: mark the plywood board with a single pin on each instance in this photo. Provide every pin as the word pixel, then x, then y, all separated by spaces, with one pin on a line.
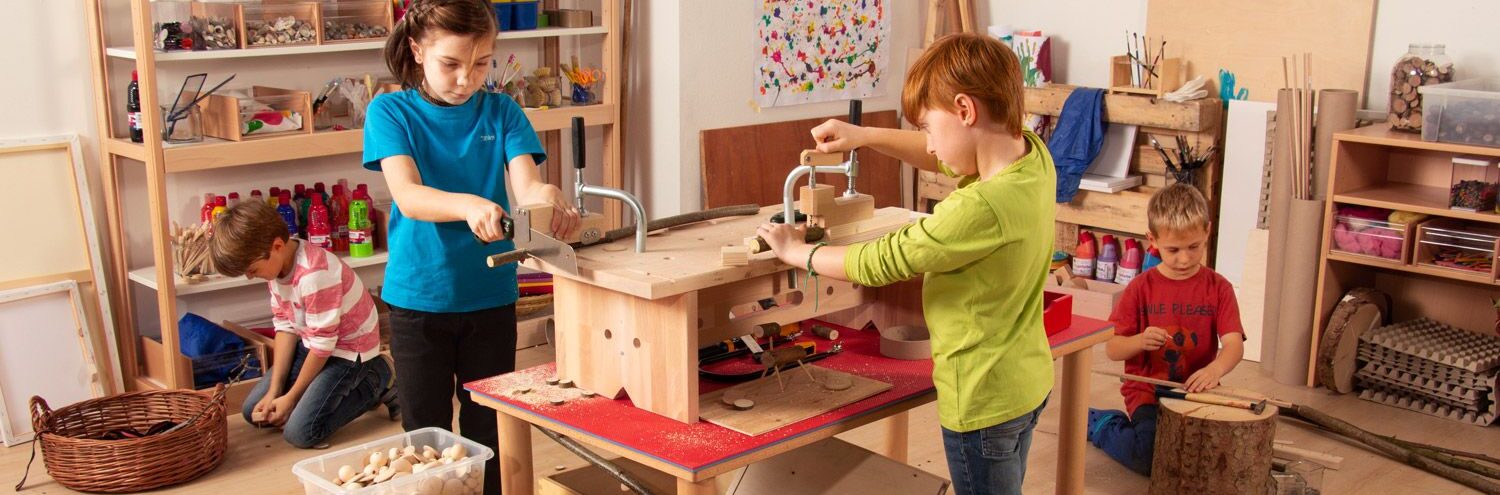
pixel 1239 210
pixel 776 407
pixel 687 258
pixel 37 196
pixel 1249 40
pixel 1251 291
pixel 835 466
pixel 749 164
pixel 44 351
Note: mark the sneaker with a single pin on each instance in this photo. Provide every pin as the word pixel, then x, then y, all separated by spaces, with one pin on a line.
pixel 392 406
pixel 1100 417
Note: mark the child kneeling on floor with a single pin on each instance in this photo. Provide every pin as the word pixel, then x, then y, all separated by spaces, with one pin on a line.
pixel 1168 325
pixel 327 342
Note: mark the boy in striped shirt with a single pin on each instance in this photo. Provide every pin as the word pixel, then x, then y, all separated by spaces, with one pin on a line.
pixel 327 342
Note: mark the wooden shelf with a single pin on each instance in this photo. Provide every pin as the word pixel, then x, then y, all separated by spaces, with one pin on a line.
pixel 126 52
pixel 1475 278
pixel 1381 135
pixel 147 276
pixel 1414 198
pixel 219 153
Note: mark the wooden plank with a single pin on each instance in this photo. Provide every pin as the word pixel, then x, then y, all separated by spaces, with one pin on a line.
pixel 749 164
pixel 589 479
pixel 836 466
pixel 776 407
pixel 1124 211
pixel 1192 116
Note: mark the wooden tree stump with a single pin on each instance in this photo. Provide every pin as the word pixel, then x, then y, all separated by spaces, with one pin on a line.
pixel 1205 449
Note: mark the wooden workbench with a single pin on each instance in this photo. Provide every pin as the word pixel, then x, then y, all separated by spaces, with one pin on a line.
pixel 696 453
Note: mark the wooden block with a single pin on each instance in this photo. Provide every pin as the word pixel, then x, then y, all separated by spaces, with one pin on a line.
pixel 1094 299
pixel 734 256
pixel 774 408
pixel 1329 461
pixel 1124 211
pixel 820 159
pixel 1211 449
pixel 830 210
pixel 593 223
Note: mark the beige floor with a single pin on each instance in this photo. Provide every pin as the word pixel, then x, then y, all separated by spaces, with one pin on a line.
pixel 261 460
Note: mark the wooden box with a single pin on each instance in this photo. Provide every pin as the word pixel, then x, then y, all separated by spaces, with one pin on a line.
pixel 1168 77
pixel 279 23
pixel 350 20
pixel 223 114
pixel 1440 239
pixel 1091 298
pixel 220 24
pixel 570 18
pixel 153 350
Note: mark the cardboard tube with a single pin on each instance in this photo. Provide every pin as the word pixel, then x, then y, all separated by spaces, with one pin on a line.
pixel 1335 113
pixel 1281 196
pixel 1298 288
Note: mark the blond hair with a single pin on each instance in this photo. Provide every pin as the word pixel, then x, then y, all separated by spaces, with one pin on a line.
pixel 978 66
pixel 243 235
pixel 1176 208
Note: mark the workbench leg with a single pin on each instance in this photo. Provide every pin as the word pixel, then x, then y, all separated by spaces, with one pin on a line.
pixel 897 436
pixel 705 487
pixel 516 476
pixel 1072 431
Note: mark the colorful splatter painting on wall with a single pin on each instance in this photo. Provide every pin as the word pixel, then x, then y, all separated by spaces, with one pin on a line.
pixel 820 50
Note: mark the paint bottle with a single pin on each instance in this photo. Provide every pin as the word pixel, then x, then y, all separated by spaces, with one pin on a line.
pixel 221 204
pixel 322 191
pixel 1153 258
pixel 234 199
pixel 1083 257
pixel 1130 264
pixel 288 214
pixel 206 213
pixel 256 196
pixel 361 230
pixel 1109 258
pixel 338 207
pixel 302 206
pixel 133 108
pixel 275 198
pixel 319 232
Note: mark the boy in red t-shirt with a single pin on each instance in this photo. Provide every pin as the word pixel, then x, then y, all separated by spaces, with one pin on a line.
pixel 1168 325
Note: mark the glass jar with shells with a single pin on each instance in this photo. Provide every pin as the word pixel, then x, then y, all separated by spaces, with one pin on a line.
pixel 356 20
pixel 213 26
pixel 280 24
pixel 1422 65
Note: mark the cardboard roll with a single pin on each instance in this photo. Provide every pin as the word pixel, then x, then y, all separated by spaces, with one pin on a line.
pixel 910 343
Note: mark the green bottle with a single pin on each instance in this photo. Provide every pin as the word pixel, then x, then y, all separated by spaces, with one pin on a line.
pixel 361 231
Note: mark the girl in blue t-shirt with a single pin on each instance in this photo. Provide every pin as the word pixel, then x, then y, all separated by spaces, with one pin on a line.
pixel 446 149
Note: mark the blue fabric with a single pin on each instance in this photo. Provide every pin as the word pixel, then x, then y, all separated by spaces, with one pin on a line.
pixel 211 349
pixel 439 267
pixel 1077 139
pixel 342 392
pixel 991 461
pixel 1128 440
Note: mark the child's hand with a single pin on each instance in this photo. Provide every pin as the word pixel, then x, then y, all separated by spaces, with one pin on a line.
pixel 1153 338
pixel 782 237
pixel 484 220
pixel 280 410
pixel 1205 379
pixel 262 410
pixel 564 218
pixel 836 136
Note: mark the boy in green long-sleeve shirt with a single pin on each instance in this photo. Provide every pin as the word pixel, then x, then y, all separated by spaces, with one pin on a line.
pixel 984 252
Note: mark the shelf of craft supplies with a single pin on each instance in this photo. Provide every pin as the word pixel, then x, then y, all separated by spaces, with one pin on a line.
pixel 1430 271
pixel 1430 200
pixel 218 153
pixel 127 52
pixel 147 276
pixel 1382 135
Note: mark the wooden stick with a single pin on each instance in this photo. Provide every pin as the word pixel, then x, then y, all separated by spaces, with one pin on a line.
pixel 1256 407
pixel 1409 456
pixel 1165 383
pixel 1329 461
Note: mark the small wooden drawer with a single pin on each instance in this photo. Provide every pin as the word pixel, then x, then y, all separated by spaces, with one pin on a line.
pixel 1459 249
pixel 273 24
pixel 1122 77
pixel 345 21
pixel 233 117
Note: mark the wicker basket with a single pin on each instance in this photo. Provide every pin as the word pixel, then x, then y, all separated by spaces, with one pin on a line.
pixel 532 304
pixel 76 460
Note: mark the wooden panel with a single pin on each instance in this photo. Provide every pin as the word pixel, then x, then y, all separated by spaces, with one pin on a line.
pixel 715 303
pixel 1192 116
pixel 804 395
pixel 1124 211
pixel 590 479
pixel 749 164
pixel 1250 40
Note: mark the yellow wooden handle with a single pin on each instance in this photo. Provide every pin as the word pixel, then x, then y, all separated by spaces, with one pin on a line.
pixel 821 159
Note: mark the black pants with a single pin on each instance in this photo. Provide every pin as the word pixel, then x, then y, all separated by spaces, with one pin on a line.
pixel 435 354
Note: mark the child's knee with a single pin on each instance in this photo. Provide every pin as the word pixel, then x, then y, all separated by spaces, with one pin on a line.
pixel 302 436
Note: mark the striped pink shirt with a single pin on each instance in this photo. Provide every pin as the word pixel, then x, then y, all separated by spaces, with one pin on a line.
pixel 324 302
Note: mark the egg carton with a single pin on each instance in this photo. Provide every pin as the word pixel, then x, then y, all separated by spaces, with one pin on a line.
pixel 1363 380
pixel 1369 353
pixel 1417 382
pixel 1394 399
pixel 1435 341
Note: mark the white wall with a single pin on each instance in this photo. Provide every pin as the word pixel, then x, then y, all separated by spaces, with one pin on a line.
pixel 1467 27
pixel 1085 33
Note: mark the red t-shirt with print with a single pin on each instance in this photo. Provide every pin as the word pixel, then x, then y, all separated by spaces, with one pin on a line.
pixel 1195 312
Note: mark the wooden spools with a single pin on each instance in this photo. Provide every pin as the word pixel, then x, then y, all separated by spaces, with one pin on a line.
pixel 1205 449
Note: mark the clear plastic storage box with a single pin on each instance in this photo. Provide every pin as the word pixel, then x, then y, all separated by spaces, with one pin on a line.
pixel 461 477
pixel 1462 112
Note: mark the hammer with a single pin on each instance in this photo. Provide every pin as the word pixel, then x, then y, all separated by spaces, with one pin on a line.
pixel 1256 407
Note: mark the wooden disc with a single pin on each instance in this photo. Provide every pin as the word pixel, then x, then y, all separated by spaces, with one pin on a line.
pixel 837 382
pixel 744 404
pixel 614 248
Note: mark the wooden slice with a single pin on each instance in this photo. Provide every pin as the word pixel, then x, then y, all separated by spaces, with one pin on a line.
pixel 744 404
pixel 1359 311
pixel 1206 449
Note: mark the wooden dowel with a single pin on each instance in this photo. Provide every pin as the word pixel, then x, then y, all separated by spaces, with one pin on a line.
pixel 1165 383
pixel 1329 461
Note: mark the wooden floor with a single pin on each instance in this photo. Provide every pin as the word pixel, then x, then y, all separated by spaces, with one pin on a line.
pixel 261 459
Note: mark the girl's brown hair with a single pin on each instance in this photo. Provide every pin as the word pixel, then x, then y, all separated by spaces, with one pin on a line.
pixel 976 65
pixel 461 17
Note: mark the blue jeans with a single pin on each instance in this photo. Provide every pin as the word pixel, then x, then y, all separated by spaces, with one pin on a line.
pixel 992 460
pixel 340 393
pixel 1130 442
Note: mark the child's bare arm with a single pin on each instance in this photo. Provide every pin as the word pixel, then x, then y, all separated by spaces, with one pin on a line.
pixel 284 352
pixel 1229 356
pixel 1120 347
pixel 836 136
